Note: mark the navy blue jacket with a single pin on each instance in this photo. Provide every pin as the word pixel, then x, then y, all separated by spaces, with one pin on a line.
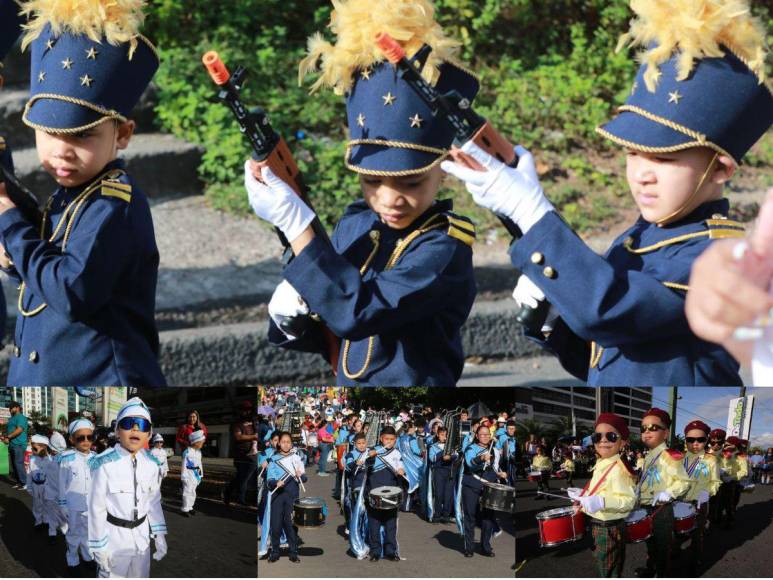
pixel 622 318
pixel 409 305
pixel 97 327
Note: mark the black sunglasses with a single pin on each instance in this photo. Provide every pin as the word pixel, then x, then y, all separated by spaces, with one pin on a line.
pixel 80 438
pixel 647 428
pixel 612 437
pixel 717 441
pixel 695 439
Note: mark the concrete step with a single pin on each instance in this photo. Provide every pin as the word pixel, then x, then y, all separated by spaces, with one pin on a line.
pixel 162 165
pixel 14 98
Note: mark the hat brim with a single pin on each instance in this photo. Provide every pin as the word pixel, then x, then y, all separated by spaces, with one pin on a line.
pixel 370 159
pixel 641 134
pixel 54 115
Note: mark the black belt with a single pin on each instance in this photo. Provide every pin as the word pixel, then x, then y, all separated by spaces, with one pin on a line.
pixel 606 524
pixel 130 524
pixel 38 482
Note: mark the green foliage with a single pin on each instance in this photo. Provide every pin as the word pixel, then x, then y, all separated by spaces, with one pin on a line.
pixel 549 70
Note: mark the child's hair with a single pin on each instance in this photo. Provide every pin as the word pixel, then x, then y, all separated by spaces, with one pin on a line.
pixel 275 434
pixel 479 427
pixel 510 423
pixel 441 429
pixel 389 430
pixel 283 433
pixel 407 425
pixel 359 436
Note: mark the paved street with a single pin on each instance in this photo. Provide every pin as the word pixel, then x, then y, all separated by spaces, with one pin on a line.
pixel 741 552
pixel 428 550
pixel 216 542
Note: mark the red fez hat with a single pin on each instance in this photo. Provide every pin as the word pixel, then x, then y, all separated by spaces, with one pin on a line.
pixel 717 433
pixel 733 440
pixel 660 414
pixel 697 425
pixel 615 421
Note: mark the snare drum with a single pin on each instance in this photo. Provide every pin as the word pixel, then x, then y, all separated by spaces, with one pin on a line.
pixel 638 526
pixel 560 526
pixel 385 498
pixel 560 474
pixel 535 476
pixel 309 512
pixel 684 517
pixel 498 497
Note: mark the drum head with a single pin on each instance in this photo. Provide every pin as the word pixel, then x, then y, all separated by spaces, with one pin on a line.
pixel 683 510
pixel 636 516
pixel 310 502
pixel 499 486
pixel 386 490
pixel 556 513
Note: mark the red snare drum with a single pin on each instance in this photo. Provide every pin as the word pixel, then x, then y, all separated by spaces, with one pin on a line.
pixel 560 474
pixel 535 476
pixel 684 517
pixel 560 526
pixel 638 526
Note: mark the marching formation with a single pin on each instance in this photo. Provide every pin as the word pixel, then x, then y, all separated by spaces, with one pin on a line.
pixel 445 468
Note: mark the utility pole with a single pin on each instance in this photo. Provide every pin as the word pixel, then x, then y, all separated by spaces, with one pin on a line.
pixel 672 411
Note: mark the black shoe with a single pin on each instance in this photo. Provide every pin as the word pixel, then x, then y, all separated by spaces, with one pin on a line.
pixel 488 554
pixel 273 558
pixel 295 559
pixel 468 554
pixel 374 558
pixel 393 558
pixel 74 571
pixel 192 512
pixel 40 528
pixel 644 573
pixel 186 514
pixel 51 540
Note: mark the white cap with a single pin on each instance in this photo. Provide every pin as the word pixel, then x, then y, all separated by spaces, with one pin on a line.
pixel 80 423
pixel 196 436
pixel 157 437
pixel 134 407
pixel 41 440
pixel 58 443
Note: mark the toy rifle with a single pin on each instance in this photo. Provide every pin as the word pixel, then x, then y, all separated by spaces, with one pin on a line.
pixel 21 197
pixel 467 126
pixel 270 150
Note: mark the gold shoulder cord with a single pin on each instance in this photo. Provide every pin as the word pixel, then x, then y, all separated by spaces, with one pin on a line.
pixel 393 259
pixel 74 206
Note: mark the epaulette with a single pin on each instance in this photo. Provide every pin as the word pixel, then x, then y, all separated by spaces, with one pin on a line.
pixel 720 227
pixel 461 228
pixel 67 456
pixel 112 186
pixel 628 468
pixel 106 456
pixel 152 457
pixel 678 455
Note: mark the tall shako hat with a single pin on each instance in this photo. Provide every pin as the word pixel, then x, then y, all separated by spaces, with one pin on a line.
pixel 702 79
pixel 392 131
pixel 89 62
pixel 10 26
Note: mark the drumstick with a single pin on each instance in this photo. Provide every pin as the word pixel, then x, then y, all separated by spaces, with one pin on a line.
pixel 555 495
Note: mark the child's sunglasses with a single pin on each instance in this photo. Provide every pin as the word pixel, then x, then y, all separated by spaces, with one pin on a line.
pixel 647 428
pixel 128 423
pixel 695 439
pixel 80 438
pixel 612 437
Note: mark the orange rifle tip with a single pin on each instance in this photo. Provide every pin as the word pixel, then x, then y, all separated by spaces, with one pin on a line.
pixel 216 67
pixel 390 47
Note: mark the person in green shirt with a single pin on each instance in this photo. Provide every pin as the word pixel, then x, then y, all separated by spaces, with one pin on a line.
pixel 16 439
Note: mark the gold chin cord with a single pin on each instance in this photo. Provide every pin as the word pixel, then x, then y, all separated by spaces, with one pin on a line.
pixel 688 205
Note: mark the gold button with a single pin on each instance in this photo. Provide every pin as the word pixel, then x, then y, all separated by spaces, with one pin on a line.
pixel 33 356
pixel 16 351
pixel 549 272
pixel 537 258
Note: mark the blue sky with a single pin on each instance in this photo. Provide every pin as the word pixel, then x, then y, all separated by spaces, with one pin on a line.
pixel 710 404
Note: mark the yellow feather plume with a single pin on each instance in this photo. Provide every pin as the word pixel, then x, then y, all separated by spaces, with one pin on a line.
pixel 356 23
pixel 116 21
pixel 696 29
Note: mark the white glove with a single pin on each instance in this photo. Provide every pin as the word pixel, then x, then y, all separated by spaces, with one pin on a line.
pixel 276 202
pixel 574 492
pixel 160 547
pixel 102 558
pixel 662 497
pixel 703 497
pixel 529 294
pixel 286 303
pixel 591 503
pixel 515 193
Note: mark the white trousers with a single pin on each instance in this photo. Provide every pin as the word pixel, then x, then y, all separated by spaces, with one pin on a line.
pixel 38 501
pixel 128 565
pixel 52 514
pixel 77 537
pixel 189 494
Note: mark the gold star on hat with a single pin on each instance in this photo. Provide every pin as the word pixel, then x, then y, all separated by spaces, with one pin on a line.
pixel 416 121
pixel 674 97
pixel 92 53
pixel 389 99
pixel 67 64
pixel 361 120
pixel 41 76
pixel 86 81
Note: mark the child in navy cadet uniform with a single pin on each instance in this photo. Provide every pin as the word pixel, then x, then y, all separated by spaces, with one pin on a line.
pixel 698 104
pixel 442 477
pixel 385 467
pixel 88 276
pixel 480 461
pixel 397 284
pixel 355 475
pixel 506 445
pixel 285 471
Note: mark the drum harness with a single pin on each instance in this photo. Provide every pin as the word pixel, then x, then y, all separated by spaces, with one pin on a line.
pixel 645 474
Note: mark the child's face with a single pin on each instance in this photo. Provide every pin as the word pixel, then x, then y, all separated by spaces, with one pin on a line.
pixel 132 440
pixel 158 445
pixel 662 183
pixel 511 430
pixel 73 160
pixel 361 446
pixel 81 439
pixel 388 441
pixel 696 446
pixel 198 444
pixel 39 449
pixel 285 444
pixel 442 436
pixel 653 438
pixel 604 448
pixel 400 200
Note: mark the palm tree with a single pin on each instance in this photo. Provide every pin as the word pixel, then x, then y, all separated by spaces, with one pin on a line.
pixel 559 427
pixel 526 427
